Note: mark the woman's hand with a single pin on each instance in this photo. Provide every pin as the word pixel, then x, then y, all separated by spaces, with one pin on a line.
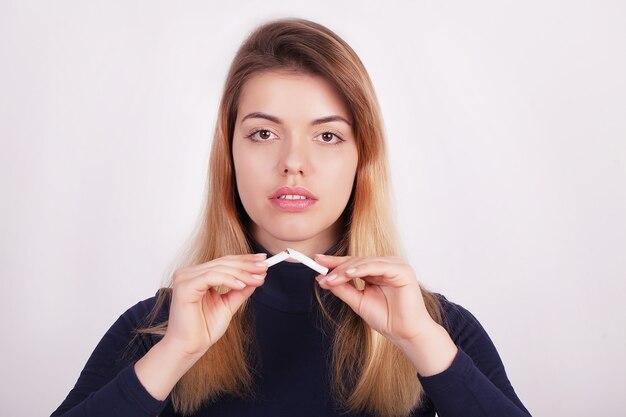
pixel 199 315
pixel 391 302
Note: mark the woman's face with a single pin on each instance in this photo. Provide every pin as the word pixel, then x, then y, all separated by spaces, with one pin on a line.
pixel 291 150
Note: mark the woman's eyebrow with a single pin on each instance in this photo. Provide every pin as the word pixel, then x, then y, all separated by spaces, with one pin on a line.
pixel 322 120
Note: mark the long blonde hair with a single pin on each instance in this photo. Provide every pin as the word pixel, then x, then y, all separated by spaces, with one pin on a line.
pixel 369 374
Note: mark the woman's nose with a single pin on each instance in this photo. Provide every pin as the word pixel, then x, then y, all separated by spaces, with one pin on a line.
pixel 294 156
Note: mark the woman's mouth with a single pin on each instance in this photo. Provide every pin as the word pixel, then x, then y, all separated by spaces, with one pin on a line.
pixel 293 203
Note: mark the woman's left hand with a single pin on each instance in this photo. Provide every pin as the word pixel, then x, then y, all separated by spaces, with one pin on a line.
pixel 391 302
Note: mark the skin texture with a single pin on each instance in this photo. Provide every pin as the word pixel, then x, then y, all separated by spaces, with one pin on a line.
pixel 294 153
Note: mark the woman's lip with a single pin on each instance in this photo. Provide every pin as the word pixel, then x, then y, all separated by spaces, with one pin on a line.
pixel 293 206
pixel 298 190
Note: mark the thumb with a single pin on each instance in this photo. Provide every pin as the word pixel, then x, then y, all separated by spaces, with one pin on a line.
pixel 235 298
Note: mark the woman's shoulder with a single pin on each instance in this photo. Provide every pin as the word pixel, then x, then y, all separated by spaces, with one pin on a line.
pixel 452 309
pixel 461 323
pixel 140 315
pixel 143 312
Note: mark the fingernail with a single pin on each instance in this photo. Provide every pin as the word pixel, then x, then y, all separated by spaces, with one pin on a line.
pixel 319 255
pixel 260 264
pixel 241 284
pixel 259 277
pixel 351 270
pixel 331 277
pixel 260 255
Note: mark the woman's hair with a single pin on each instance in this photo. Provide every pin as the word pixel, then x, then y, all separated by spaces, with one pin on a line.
pixel 369 373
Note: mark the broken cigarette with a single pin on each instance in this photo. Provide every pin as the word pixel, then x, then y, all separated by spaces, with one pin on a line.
pixel 279 257
pixel 294 254
pixel 307 261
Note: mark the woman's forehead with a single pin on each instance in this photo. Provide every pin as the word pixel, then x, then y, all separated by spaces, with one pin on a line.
pixel 297 98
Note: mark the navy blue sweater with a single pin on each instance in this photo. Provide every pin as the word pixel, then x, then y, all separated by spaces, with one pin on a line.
pixel 293 375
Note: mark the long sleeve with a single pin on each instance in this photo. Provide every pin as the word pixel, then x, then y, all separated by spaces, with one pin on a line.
pixel 476 383
pixel 108 385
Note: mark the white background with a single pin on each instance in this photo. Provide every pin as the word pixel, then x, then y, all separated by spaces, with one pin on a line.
pixel 507 138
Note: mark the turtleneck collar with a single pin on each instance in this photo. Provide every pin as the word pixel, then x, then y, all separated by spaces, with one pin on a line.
pixel 288 285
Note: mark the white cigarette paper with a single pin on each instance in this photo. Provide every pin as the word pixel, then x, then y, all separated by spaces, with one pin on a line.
pixel 279 257
pixel 298 256
pixel 307 261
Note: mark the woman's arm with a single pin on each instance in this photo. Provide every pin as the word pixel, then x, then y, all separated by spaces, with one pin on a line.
pixel 461 372
pixel 108 385
pixel 432 352
pixel 160 369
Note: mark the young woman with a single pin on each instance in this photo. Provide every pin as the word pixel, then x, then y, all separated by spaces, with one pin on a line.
pixel 298 160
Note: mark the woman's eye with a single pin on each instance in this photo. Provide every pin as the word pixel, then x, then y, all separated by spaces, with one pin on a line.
pixel 264 136
pixel 329 135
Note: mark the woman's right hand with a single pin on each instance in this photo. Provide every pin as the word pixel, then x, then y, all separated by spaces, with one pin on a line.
pixel 199 315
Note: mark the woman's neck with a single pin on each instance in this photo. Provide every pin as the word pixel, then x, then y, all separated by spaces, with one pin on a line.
pixel 318 244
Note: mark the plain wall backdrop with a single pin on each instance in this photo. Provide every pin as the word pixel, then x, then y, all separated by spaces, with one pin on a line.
pixel 507 141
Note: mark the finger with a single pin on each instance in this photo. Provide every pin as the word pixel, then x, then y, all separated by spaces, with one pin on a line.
pixel 338 271
pixel 234 298
pixel 250 264
pixel 244 256
pixel 242 275
pixel 204 282
pixel 342 279
pixel 334 261
pixel 330 261
pixel 252 267
pixel 388 273
pixel 340 275
pixel 228 259
pixel 248 261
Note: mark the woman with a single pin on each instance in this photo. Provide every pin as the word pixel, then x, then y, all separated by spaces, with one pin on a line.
pixel 298 160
